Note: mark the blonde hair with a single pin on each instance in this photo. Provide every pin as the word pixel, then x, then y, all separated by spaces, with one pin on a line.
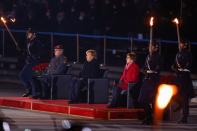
pixel 92 52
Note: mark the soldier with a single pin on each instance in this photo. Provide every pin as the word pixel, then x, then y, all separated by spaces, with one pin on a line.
pixel 33 51
pixel 57 63
pixel 182 67
pixel 147 92
pixel 56 66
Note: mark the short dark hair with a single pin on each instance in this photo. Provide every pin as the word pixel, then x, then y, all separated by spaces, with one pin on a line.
pixel 58 47
pixel 132 55
pixel 30 30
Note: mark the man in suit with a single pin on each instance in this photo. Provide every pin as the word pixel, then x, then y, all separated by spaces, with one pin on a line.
pixel 91 69
pixel 34 52
pixel 130 74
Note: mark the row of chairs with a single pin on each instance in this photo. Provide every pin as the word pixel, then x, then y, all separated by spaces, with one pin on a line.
pixel 99 86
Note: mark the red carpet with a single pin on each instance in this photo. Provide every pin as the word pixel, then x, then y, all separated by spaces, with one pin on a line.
pixel 93 111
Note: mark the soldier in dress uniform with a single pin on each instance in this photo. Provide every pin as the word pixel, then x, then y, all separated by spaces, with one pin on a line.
pixel 56 66
pixel 34 52
pixel 57 63
pixel 182 68
pixel 149 84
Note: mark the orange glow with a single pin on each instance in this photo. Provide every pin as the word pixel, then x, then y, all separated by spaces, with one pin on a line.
pixel 13 20
pixel 151 21
pixel 3 20
pixel 176 21
pixel 165 93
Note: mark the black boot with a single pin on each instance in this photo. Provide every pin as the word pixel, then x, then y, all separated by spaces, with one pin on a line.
pixel 111 106
pixel 148 113
pixel 27 93
pixel 147 121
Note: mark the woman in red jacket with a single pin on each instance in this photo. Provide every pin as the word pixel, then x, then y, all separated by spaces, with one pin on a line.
pixel 130 74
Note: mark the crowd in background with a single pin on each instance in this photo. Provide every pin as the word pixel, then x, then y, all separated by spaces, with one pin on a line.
pixel 103 17
pixel 117 17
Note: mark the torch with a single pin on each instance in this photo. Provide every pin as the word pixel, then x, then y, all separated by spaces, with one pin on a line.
pixel 164 95
pixel 151 33
pixel 8 30
pixel 176 21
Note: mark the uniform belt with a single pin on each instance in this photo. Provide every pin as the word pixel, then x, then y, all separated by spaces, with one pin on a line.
pixel 151 72
pixel 183 70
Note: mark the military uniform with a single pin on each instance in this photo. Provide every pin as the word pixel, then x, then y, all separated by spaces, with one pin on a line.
pixel 34 53
pixel 183 62
pixel 147 92
pixel 57 65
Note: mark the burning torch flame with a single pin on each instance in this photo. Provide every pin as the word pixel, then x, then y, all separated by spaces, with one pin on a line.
pixel 3 20
pixel 176 21
pixel 165 93
pixel 13 20
pixel 151 21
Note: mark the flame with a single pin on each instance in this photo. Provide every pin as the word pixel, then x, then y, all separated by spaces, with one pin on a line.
pixel 176 21
pixel 151 21
pixel 3 20
pixel 165 93
pixel 13 20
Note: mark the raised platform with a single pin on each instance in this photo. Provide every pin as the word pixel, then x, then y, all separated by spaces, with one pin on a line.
pixel 92 111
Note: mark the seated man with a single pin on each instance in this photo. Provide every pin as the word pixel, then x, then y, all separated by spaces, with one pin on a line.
pixel 90 69
pixel 57 65
pixel 130 74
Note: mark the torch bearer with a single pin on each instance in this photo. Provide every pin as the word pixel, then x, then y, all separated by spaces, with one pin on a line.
pixel 151 33
pixel 176 21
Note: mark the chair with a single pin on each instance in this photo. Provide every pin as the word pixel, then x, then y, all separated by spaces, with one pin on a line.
pixel 60 82
pixel 133 92
pixel 61 85
pixel 130 95
pixel 98 89
pixel 57 81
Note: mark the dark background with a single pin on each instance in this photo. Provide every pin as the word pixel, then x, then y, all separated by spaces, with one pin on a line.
pixel 104 17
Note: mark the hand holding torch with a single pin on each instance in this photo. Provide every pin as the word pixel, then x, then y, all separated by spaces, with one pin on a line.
pixel 151 34
pixel 176 21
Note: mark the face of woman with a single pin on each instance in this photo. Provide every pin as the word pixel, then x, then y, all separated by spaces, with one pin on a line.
pixel 129 60
pixel 89 57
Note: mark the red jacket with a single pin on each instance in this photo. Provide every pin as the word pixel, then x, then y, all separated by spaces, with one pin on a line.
pixel 130 74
